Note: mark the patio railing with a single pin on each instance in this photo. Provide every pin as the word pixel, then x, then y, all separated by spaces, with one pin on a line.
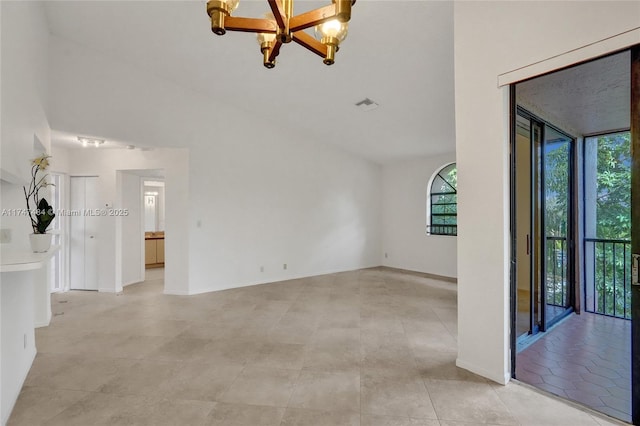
pixel 607 273
pixel 557 271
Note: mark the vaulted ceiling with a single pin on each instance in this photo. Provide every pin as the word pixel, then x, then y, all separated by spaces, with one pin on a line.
pixel 397 53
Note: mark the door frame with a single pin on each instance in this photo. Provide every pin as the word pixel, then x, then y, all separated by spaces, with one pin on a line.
pixel 635 231
pixel 635 211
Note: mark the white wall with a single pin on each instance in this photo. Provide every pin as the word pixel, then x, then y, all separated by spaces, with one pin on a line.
pixel 104 164
pixel 129 192
pixel 404 197
pixel 23 80
pixel 493 38
pixel 259 195
pixel 17 335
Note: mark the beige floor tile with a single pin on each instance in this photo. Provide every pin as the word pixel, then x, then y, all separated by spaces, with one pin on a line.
pixel 338 336
pixel 36 405
pixel 98 409
pixel 432 336
pixel 232 350
pixel 181 349
pixel 533 408
pixel 164 413
pixel 117 345
pixel 397 396
pixel 388 356
pixel 333 357
pixel 472 423
pixel 278 355
pixel 158 327
pixel 199 381
pixel 468 401
pixel 337 391
pixel 371 420
pixel 75 372
pixel 304 417
pixel 293 332
pixel 372 346
pixel 442 365
pixel 142 378
pixel 225 414
pixel 262 386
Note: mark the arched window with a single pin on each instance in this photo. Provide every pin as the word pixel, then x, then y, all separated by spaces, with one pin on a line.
pixel 442 202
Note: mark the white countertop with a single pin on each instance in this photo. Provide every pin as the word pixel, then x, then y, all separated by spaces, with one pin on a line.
pixel 20 259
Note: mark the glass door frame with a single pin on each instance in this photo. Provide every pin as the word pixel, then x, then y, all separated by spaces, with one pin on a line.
pixel 539 321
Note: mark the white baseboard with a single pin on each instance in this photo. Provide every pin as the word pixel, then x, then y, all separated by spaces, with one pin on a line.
pixel 502 379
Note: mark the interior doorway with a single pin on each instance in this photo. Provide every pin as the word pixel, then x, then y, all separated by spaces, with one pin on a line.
pixel 140 238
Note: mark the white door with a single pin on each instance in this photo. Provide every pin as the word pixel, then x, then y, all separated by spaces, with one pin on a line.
pixel 83 274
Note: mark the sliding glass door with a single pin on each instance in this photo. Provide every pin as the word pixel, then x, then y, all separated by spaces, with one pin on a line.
pixel 557 161
pixel 544 228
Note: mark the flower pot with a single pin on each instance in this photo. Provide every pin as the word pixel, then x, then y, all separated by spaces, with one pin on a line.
pixel 40 243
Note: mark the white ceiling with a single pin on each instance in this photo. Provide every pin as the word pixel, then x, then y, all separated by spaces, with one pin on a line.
pixel 398 53
pixel 590 98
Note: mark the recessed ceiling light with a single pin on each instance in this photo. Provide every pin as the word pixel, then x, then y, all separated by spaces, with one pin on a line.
pixel 367 105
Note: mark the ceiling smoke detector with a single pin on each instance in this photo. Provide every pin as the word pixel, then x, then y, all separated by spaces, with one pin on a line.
pixel 366 105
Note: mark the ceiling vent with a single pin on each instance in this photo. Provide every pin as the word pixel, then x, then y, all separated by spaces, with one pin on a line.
pixel 366 105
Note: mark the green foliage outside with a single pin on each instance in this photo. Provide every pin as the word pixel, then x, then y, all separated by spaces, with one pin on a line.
pixel 613 222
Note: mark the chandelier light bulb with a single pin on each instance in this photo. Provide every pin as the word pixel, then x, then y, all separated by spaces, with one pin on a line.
pixel 231 4
pixel 332 29
pixel 267 37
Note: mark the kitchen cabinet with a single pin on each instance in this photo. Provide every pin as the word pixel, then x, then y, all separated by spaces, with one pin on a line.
pixel 154 249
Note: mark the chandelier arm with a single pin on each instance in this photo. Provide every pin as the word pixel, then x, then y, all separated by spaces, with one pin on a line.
pixel 312 18
pixel 309 42
pixel 275 51
pixel 278 12
pixel 249 25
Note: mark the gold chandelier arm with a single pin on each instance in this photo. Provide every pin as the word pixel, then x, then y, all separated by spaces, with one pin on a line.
pixel 278 12
pixel 275 51
pixel 312 18
pixel 249 25
pixel 309 42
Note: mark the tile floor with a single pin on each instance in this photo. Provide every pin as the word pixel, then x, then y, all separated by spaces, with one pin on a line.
pixel 370 347
pixel 586 358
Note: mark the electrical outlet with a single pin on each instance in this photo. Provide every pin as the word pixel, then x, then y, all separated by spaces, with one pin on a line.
pixel 5 236
pixel 284 266
pixel 25 341
pixel 386 255
pixel 262 269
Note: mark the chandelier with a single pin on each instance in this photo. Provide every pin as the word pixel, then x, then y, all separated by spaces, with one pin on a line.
pixel 281 26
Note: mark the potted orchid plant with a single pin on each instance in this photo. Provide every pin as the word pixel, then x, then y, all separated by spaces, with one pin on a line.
pixel 39 210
